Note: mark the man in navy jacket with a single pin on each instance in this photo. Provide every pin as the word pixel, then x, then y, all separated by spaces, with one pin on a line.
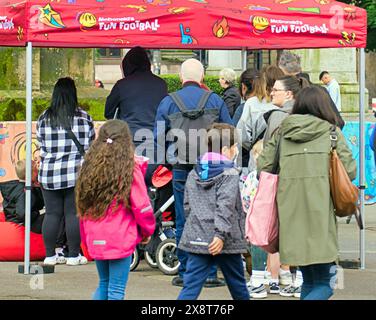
pixel 138 94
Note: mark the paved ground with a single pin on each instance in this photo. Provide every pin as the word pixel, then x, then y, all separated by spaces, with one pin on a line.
pixel 145 283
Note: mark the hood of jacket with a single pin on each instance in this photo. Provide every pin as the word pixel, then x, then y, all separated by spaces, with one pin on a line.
pixel 210 166
pixel 287 107
pixel 135 60
pixel 303 128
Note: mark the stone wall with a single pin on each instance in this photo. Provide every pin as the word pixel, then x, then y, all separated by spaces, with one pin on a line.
pixel 371 74
pixel 342 64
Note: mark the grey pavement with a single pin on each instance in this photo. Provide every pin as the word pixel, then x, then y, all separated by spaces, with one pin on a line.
pixel 145 283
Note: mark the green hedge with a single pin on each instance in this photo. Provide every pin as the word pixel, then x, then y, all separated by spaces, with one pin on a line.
pixel 14 109
pixel 174 84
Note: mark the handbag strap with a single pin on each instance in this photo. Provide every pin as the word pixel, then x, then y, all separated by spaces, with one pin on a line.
pixel 333 137
pixel 275 168
pixel 79 146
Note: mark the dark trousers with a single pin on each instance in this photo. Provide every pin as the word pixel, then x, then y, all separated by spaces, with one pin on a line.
pixel 198 269
pixel 178 183
pixel 60 204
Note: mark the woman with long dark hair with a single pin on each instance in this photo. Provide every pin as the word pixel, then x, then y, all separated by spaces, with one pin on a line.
pixel 61 158
pixel 307 223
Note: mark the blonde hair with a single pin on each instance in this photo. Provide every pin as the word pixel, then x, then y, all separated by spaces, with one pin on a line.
pixel 259 87
pixel 229 75
pixel 20 169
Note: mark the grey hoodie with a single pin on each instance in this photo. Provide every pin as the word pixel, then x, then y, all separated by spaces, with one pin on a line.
pixel 213 208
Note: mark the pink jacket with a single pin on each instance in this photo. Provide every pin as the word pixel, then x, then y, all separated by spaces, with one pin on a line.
pixel 116 235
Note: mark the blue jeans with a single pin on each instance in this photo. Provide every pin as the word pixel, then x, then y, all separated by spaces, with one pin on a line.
pixel 178 184
pixel 198 269
pixel 318 281
pixel 113 277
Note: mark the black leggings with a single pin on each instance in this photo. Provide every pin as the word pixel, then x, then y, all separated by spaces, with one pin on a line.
pixel 59 204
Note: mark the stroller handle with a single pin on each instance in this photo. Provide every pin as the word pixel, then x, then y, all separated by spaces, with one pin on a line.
pixel 165 206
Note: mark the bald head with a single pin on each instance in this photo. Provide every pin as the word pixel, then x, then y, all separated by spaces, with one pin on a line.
pixel 192 70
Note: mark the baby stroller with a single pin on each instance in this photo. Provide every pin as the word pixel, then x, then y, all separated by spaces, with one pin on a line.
pixel 160 252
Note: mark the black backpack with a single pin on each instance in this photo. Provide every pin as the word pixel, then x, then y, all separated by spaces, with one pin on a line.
pixel 188 126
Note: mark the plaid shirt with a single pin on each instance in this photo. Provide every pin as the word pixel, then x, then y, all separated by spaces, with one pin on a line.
pixel 60 158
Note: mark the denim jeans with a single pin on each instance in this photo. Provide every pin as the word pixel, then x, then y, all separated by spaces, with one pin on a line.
pixel 318 281
pixel 113 277
pixel 178 183
pixel 198 269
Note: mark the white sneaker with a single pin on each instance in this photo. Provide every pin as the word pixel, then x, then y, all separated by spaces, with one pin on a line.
pixel 285 278
pixel 50 261
pixel 76 261
pixel 257 292
pixel 60 256
pixel 290 292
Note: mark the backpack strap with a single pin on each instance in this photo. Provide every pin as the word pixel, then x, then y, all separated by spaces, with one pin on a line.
pixel 79 146
pixel 204 99
pixel 201 104
pixel 179 102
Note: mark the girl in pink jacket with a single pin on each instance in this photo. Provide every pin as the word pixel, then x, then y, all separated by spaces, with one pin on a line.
pixel 113 206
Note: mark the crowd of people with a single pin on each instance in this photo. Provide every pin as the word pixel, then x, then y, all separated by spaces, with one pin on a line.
pixel 95 188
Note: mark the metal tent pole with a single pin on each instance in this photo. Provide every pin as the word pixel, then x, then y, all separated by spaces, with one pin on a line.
pixel 244 59
pixel 29 71
pixel 362 85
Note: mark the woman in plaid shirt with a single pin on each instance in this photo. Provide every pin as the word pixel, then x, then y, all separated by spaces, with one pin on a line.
pixel 61 160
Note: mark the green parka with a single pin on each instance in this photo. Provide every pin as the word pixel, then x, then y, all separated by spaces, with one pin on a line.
pixel 308 226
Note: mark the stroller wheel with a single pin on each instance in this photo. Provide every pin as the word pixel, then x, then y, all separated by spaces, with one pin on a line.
pixel 135 259
pixel 166 257
pixel 150 259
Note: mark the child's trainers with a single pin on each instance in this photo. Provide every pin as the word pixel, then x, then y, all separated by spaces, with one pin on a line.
pixel 257 292
pixel 289 291
pixel 76 261
pixel 298 292
pixel 274 288
pixel 50 261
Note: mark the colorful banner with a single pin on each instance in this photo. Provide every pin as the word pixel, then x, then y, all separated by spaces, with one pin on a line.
pixel 201 24
pixel 351 132
pixel 13 147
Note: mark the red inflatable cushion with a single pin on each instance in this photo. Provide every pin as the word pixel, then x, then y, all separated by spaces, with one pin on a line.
pixel 2 217
pixel 12 243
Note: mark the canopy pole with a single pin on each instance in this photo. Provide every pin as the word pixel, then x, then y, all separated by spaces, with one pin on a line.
pixel 362 85
pixel 29 78
pixel 244 59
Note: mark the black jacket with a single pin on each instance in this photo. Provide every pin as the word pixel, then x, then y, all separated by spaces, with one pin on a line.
pixel 232 99
pixel 13 193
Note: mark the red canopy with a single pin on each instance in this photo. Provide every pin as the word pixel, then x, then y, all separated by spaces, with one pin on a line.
pixel 204 24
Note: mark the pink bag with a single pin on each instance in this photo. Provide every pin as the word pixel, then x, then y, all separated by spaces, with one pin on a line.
pixel 261 226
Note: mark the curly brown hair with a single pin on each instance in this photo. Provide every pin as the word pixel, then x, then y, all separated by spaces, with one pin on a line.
pixel 107 172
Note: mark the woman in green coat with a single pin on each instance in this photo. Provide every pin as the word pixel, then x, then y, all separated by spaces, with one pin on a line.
pixel 308 227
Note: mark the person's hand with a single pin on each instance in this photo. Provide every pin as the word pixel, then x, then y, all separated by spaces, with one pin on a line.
pixel 216 246
pixel 145 240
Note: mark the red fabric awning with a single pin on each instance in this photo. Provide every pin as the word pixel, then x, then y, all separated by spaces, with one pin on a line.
pixel 201 24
